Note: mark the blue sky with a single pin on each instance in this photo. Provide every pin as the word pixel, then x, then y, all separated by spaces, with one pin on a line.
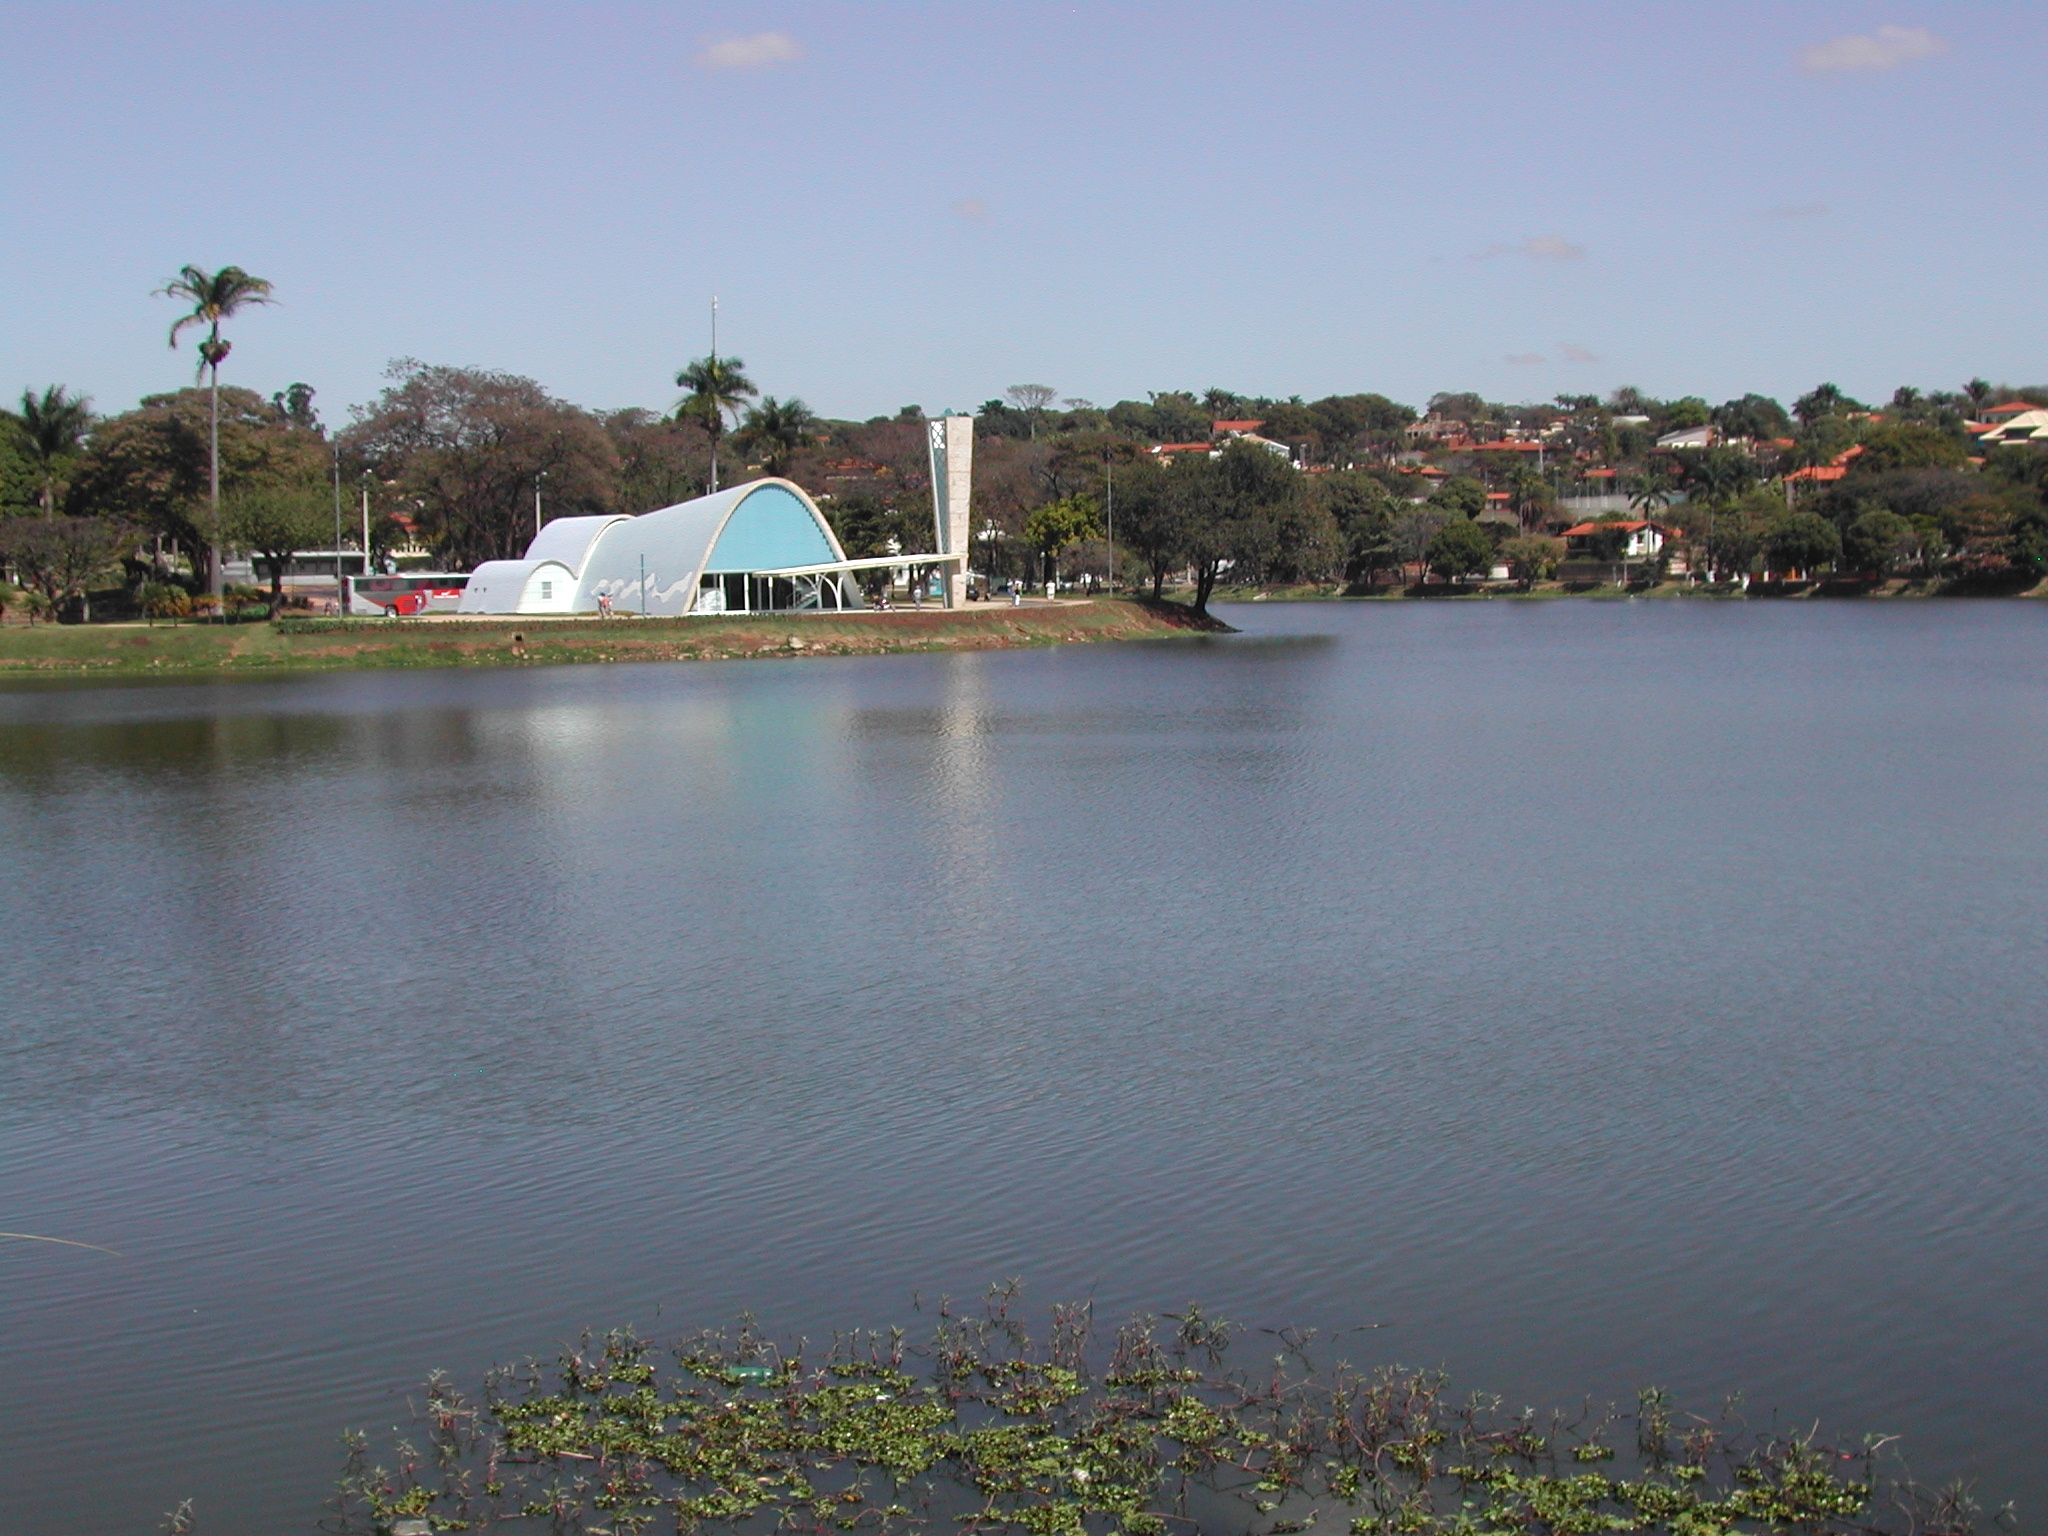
pixel 901 203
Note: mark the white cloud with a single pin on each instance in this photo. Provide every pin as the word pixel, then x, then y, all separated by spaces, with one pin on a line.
pixel 1886 48
pixel 1572 352
pixel 972 209
pixel 1797 211
pixel 1525 359
pixel 757 51
pixel 1541 248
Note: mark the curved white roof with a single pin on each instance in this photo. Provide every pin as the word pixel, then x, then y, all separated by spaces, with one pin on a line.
pixel 656 561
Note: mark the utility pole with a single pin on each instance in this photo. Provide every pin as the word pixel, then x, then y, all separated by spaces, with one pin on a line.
pixel 542 475
pixel 340 591
pixel 366 522
pixel 717 409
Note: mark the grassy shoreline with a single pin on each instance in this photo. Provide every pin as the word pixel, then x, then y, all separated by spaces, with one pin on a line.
pixel 1895 589
pixel 302 645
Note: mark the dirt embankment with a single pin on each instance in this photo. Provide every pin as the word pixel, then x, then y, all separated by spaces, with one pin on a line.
pixel 313 644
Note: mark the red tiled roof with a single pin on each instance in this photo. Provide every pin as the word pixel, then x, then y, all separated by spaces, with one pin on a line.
pixel 1600 474
pixel 1508 447
pixel 2012 408
pixel 1819 472
pixel 1579 529
pixel 1235 426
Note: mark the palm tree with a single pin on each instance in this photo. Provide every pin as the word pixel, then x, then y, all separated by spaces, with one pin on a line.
pixel 53 427
pixel 214 297
pixel 716 385
pixel 780 427
pixel 1648 494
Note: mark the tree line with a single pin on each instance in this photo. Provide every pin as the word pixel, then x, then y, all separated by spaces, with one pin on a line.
pixel 1356 489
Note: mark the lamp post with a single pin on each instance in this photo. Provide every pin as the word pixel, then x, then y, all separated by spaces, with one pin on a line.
pixel 366 522
pixel 538 477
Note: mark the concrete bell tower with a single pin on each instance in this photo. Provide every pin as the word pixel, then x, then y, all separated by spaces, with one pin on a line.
pixel 952 445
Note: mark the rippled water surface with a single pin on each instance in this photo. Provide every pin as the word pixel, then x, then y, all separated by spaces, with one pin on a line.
pixel 1592 994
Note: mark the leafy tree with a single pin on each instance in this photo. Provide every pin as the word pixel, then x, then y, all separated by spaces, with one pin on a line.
pixel 1363 510
pixel 1349 421
pixel 152 466
pixel 1908 445
pixel 1608 538
pixel 661 460
pixel 778 428
pixel 19 487
pixel 1459 547
pixel 464 446
pixel 274 521
pixel 60 557
pixel 1680 415
pixel 2027 547
pixel 1532 557
pixel 1052 527
pixel 867 529
pixel 214 297
pixel 1803 541
pixel 1032 400
pixel 1530 497
pixel 1758 417
pixel 717 385
pixel 997 418
pixel 1460 406
pixel 1460 496
pixel 1821 401
pixel 1877 542
pixel 52 429
pixel 1234 512
pixel 1151 517
pixel 1174 416
pixel 1715 476
pixel 294 403
pixel 1411 531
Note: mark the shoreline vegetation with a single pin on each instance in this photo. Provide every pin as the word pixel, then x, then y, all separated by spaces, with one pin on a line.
pixel 1144 1429
pixel 304 644
pixel 195 500
pixel 314 644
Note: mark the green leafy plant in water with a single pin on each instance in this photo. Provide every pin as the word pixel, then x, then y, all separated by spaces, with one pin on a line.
pixel 984 1430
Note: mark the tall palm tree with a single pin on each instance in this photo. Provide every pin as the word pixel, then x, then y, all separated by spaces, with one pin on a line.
pixel 716 385
pixel 214 297
pixel 1648 494
pixel 780 427
pixel 53 428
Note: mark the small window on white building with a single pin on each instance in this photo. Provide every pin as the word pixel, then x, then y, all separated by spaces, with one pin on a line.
pixel 547 590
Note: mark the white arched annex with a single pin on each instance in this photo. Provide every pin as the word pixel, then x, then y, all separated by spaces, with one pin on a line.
pixel 762 544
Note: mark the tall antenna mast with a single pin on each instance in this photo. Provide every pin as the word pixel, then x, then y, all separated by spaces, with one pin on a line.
pixel 714 327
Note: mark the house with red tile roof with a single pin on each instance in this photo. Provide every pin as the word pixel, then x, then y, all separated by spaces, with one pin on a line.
pixel 1641 538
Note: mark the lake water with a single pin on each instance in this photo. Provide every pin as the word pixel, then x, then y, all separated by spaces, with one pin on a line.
pixel 1592 994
